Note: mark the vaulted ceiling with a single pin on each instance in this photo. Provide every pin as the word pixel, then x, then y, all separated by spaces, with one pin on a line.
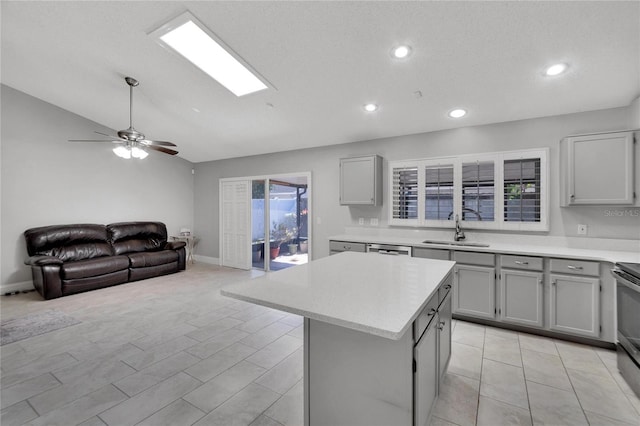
pixel 325 60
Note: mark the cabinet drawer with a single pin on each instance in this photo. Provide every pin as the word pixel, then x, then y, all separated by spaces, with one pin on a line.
pixel 521 262
pixel 428 253
pixel 346 246
pixel 424 318
pixel 473 258
pixel 575 267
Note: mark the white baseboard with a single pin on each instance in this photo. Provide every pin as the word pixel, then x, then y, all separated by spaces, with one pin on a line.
pixel 207 259
pixel 14 287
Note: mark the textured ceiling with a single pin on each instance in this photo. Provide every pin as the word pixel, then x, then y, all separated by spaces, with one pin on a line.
pixel 325 60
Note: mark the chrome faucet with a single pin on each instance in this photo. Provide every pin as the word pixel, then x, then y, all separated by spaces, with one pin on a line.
pixel 459 235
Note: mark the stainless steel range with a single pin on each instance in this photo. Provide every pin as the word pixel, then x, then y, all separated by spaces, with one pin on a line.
pixel 628 302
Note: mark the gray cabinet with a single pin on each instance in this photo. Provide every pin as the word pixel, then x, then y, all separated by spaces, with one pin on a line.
pixel 429 253
pixel 426 374
pixel 444 337
pixel 575 298
pixel 521 297
pixel 340 246
pixel 474 285
pixel 597 169
pixel 361 181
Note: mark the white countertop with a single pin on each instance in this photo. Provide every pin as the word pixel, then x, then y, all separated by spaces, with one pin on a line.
pixel 379 295
pixel 520 246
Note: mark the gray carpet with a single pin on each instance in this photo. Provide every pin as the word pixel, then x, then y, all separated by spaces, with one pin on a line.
pixel 16 329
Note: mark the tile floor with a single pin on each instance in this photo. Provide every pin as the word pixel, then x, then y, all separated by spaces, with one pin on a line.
pixel 172 351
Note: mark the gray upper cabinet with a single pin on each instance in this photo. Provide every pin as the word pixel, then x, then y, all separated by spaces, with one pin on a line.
pixel 597 169
pixel 361 181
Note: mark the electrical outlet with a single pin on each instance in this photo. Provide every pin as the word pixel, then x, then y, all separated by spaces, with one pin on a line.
pixel 361 221
pixel 374 221
pixel 582 229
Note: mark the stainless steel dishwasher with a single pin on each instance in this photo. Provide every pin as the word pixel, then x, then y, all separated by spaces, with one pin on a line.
pixel 389 249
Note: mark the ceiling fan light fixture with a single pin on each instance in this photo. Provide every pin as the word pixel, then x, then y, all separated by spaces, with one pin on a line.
pixel 122 152
pixel 192 40
pixel 139 153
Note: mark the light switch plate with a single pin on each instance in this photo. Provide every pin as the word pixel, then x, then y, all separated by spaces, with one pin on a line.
pixel 374 221
pixel 582 229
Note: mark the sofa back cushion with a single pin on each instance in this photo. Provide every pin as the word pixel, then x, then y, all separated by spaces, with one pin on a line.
pixel 68 242
pixel 133 237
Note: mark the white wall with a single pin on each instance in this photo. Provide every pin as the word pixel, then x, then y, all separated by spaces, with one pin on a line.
pixel 47 180
pixel 324 166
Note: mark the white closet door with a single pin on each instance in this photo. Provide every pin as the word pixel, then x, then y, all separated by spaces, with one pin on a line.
pixel 235 226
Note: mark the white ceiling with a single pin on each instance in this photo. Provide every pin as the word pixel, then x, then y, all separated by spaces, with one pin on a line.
pixel 325 60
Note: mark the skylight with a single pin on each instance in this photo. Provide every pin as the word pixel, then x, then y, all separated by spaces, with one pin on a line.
pixel 190 39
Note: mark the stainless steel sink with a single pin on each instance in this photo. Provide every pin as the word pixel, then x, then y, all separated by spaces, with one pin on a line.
pixel 455 243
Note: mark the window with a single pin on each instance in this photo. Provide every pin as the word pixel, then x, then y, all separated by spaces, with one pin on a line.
pixel 478 187
pixel 438 193
pixel 502 190
pixel 405 193
pixel 522 190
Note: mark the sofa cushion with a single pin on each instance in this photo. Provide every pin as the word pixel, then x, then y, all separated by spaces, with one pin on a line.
pixel 143 260
pixel 135 237
pixel 94 267
pixel 68 242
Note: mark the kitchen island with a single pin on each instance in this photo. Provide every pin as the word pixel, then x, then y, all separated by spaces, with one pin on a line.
pixel 377 334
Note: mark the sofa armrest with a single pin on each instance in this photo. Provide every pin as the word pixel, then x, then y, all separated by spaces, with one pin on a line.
pixel 174 245
pixel 43 260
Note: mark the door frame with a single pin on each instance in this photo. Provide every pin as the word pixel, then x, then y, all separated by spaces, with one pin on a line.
pixel 266 178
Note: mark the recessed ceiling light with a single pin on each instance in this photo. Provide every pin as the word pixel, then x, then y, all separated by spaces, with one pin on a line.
pixel 370 107
pixel 401 52
pixel 457 113
pixel 555 69
pixel 187 36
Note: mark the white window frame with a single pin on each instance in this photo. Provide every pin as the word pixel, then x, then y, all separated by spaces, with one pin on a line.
pixel 498 159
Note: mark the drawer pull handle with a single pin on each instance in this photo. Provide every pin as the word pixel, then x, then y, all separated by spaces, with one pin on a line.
pixel 447 287
pixel 519 262
pixel 575 268
pixel 441 325
pixel 431 312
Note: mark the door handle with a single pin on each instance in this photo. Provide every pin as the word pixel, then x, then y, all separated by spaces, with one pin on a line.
pixel 518 262
pixel 574 268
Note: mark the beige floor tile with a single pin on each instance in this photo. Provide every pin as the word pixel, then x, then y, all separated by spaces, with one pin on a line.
pixel 274 352
pixel 545 369
pixel 242 409
pixel 581 357
pixel 210 367
pixel 501 332
pixel 83 408
pixel 504 382
pixel 17 414
pixel 35 368
pixel 216 328
pixel 468 334
pixel 179 412
pixel 458 400
pixel 535 343
pixel 465 360
pixel 163 335
pixel 216 344
pixel 141 406
pixel 267 335
pixel 551 406
pixel 599 420
pixel 93 421
pixel 601 395
pixel 222 387
pixel 261 321
pixel 496 413
pixel 285 375
pixel 288 410
pixel 263 420
pixel 436 421
pixel 506 350
pixel 160 352
pixel 297 332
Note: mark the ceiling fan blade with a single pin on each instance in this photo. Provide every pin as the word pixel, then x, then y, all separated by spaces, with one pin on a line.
pixel 109 136
pixel 94 140
pixel 161 149
pixel 157 143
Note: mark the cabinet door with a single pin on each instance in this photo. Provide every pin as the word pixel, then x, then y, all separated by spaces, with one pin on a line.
pixel 575 305
pixel 426 374
pixel 521 297
pixel 444 338
pixel 599 169
pixel 474 291
pixel 361 180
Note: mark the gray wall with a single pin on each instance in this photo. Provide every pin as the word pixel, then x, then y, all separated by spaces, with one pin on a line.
pixel 324 165
pixel 47 180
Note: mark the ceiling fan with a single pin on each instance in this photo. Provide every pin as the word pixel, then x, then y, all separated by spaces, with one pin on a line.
pixel 132 143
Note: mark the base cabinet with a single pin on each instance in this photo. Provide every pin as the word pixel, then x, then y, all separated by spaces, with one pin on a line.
pixel 474 291
pixel 444 337
pixel 575 305
pixel 521 297
pixel 426 374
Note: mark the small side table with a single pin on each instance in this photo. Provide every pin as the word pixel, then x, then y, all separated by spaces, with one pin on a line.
pixel 190 240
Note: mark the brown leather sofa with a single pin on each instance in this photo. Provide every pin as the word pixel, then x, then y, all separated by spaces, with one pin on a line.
pixel 68 259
